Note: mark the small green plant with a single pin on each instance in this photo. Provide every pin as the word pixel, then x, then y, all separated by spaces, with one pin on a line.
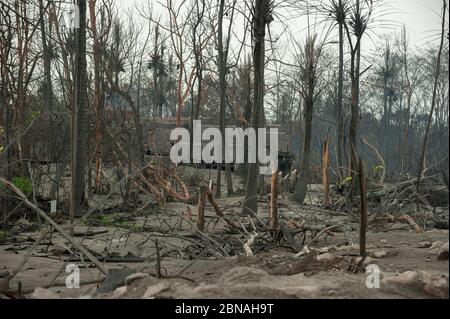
pixel 3 235
pixel 24 184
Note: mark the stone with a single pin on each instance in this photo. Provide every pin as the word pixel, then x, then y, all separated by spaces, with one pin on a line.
pixel 380 254
pixel 154 290
pixel 432 284
pixel 366 262
pixel 435 285
pixel 120 292
pixel 329 259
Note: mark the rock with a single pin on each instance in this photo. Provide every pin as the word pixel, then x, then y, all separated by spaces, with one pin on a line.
pixel 136 276
pixel 383 241
pixel 152 291
pixel 329 259
pixel 366 262
pixel 42 293
pixel 120 292
pixel 432 284
pixel 435 285
pixel 443 252
pixel 380 254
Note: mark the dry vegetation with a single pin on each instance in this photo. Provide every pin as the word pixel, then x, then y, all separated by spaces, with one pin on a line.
pixel 86 180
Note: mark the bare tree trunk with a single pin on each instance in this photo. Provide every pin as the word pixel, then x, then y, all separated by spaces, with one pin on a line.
pixel 259 29
pixel 79 119
pixel 325 172
pixel 363 210
pixel 433 102
pixel 201 208
pixel 355 75
pixel 340 115
pixel 221 62
pixel 222 89
pixel 48 90
pixel 274 202
pixel 98 98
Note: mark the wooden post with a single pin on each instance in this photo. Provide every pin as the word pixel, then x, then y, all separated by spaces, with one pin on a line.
pixel 363 209
pixel 325 169
pixel 274 201
pixel 201 208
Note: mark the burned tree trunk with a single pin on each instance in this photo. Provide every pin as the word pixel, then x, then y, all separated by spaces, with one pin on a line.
pixel 261 17
pixel 201 208
pixel 325 172
pixel 363 210
pixel 274 202
pixel 79 118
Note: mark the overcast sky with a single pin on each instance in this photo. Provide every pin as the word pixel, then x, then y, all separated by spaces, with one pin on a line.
pixel 421 17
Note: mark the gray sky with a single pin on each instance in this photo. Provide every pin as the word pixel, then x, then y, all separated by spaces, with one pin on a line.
pixel 421 17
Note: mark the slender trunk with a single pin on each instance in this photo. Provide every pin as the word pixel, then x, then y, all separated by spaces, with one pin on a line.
pixel 274 202
pixel 48 82
pixel 259 29
pixel 340 116
pixel 355 71
pixel 79 118
pixel 363 210
pixel 221 66
pixel 325 173
pixel 98 98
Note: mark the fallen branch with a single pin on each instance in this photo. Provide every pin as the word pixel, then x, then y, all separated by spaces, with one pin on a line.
pixel 206 238
pixel 217 209
pixel 63 233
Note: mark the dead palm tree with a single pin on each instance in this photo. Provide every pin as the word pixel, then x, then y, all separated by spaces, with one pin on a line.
pixel 308 62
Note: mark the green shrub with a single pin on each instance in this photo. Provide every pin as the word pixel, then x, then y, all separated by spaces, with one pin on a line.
pixel 24 184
